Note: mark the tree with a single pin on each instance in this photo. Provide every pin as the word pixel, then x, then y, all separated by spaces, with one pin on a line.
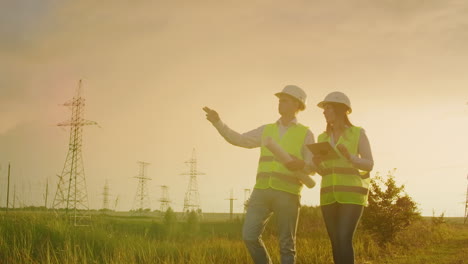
pixel 390 210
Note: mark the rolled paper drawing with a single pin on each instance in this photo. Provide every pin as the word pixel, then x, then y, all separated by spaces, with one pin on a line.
pixel 284 157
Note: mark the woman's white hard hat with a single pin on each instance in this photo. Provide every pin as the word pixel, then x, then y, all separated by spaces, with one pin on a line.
pixel 336 97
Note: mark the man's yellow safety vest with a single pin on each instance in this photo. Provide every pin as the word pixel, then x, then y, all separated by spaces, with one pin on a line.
pixel 273 174
pixel 341 182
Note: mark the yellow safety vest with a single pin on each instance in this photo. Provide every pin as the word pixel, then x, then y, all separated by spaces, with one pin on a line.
pixel 273 174
pixel 341 182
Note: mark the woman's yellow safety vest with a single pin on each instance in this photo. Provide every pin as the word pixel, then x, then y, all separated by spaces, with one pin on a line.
pixel 341 182
pixel 273 174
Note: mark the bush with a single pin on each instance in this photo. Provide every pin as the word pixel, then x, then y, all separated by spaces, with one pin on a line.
pixel 390 210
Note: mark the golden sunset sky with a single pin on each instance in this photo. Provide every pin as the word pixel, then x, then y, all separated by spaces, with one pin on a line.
pixel 148 68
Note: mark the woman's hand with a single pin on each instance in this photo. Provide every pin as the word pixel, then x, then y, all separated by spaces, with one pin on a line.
pixel 317 160
pixel 344 151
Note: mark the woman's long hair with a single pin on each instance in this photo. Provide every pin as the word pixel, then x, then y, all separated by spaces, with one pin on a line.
pixel 340 110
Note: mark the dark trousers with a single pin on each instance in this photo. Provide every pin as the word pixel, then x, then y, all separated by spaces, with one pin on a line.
pixel 341 221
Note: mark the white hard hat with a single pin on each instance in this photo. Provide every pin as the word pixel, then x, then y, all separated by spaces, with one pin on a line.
pixel 296 92
pixel 336 97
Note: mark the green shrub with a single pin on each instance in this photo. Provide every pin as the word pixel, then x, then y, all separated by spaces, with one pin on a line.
pixel 390 209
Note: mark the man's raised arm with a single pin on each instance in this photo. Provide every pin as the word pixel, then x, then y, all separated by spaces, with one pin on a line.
pixel 250 139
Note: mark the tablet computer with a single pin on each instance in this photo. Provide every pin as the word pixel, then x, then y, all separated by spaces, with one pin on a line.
pixel 323 149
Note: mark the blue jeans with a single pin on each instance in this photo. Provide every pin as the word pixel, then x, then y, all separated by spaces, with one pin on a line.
pixel 262 204
pixel 341 221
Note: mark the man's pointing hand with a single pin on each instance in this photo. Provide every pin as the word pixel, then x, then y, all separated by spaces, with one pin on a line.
pixel 211 115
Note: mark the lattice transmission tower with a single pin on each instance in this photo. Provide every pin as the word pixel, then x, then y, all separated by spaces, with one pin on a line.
pixel 231 205
pixel 165 201
pixel 142 198
pixel 192 196
pixel 105 197
pixel 71 193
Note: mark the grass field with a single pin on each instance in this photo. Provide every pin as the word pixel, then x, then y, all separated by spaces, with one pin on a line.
pixel 41 237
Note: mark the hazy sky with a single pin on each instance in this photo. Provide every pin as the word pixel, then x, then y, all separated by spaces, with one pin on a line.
pixel 148 67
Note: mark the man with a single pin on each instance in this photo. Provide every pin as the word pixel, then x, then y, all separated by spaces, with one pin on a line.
pixel 277 190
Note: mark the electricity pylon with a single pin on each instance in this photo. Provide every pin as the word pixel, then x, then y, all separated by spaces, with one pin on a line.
pixel 164 198
pixel 231 205
pixel 71 192
pixel 142 199
pixel 192 197
pixel 105 198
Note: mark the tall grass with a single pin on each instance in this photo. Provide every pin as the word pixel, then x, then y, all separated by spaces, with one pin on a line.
pixel 43 238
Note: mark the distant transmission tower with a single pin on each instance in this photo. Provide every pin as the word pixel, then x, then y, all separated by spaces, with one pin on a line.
pixel 71 188
pixel 105 198
pixel 246 199
pixel 164 198
pixel 192 197
pixel 231 205
pixel 142 199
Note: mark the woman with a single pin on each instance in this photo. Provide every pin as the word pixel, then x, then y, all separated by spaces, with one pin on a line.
pixel 345 180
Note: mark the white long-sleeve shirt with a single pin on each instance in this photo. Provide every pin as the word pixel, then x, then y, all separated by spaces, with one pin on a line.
pixel 253 139
pixel 363 160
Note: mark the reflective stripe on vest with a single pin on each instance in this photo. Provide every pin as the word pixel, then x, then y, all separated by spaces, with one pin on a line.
pixel 273 174
pixel 341 182
pixel 351 171
pixel 281 176
pixel 341 188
